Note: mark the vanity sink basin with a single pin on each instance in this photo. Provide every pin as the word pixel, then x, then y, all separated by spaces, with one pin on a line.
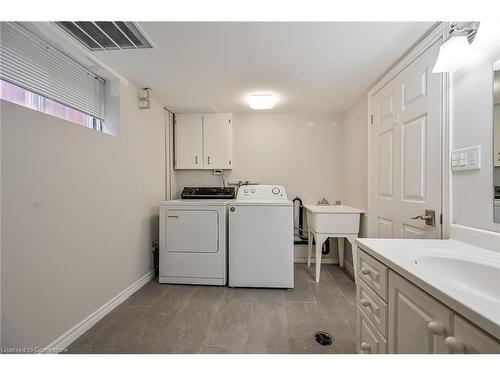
pixel 465 273
pixel 333 219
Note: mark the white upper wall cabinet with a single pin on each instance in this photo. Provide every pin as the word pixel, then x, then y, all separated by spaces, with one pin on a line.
pixel 188 142
pixel 203 141
pixel 217 141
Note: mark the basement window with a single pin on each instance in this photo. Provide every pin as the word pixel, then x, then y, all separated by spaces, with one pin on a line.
pixel 28 99
pixel 37 75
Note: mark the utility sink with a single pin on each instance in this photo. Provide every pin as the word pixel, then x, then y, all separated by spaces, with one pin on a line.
pixel 333 219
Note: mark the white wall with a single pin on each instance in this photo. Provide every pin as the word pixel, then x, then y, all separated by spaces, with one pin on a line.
pixel 471 125
pixel 79 213
pixel 300 151
pixel 355 166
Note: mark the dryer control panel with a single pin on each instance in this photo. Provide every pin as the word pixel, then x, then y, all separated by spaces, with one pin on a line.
pixel 261 192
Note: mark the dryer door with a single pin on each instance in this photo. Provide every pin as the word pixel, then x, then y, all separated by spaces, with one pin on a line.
pixel 192 231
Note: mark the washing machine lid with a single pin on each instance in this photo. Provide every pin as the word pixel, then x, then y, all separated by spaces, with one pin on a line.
pixel 261 202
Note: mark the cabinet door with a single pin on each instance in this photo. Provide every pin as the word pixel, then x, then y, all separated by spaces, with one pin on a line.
pixel 470 340
pixel 217 141
pixel 418 324
pixel 188 141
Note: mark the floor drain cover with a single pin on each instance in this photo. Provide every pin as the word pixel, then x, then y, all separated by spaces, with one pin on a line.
pixel 323 338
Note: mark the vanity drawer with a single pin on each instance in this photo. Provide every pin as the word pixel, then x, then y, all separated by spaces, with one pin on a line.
pixel 373 306
pixel 373 273
pixel 369 340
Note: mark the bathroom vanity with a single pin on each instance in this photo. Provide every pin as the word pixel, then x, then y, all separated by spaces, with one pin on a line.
pixel 427 296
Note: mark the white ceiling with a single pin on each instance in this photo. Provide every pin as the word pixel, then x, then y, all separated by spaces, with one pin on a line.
pixel 311 67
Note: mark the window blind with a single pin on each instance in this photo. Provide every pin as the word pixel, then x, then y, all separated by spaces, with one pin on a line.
pixel 29 62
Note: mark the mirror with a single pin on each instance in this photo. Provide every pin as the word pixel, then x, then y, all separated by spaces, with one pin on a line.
pixel 496 141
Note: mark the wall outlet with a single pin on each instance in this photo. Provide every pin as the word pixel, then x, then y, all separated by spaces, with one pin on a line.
pixel 466 158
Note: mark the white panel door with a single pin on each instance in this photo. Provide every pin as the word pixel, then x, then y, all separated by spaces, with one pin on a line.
pixel 406 152
pixel 217 140
pixel 188 141
pixel 418 324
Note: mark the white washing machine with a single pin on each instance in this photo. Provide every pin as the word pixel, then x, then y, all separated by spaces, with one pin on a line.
pixel 193 241
pixel 261 238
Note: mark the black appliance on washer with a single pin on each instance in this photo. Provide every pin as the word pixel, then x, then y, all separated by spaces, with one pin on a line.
pixel 208 193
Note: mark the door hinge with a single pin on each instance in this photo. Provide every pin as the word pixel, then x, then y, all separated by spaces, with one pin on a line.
pixel 371 119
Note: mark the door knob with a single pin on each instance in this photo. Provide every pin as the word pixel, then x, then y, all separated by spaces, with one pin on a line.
pixel 364 302
pixel 429 217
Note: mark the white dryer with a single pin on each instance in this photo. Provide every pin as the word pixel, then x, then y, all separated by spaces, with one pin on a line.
pixel 261 238
pixel 193 241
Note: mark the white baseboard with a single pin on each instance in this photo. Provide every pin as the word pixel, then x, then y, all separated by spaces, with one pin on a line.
pixel 71 335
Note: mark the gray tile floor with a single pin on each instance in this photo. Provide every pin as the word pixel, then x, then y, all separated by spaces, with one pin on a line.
pixel 163 318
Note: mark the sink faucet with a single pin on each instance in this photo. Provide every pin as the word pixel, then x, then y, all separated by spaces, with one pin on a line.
pixel 323 202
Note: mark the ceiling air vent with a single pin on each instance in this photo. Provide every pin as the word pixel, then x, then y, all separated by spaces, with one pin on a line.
pixel 107 35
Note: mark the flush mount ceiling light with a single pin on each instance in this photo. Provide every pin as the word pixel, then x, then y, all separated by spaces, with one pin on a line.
pixel 456 52
pixel 261 101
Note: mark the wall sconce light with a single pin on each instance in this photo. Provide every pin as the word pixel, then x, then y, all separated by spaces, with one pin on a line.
pixel 457 51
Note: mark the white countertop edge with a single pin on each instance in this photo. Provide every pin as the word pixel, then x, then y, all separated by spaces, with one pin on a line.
pixel 338 209
pixel 489 326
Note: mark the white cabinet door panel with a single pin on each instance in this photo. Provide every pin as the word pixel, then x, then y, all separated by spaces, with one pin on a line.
pixel 471 339
pixel 418 324
pixel 217 140
pixel 188 141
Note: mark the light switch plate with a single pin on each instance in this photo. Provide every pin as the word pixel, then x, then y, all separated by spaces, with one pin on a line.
pixel 464 159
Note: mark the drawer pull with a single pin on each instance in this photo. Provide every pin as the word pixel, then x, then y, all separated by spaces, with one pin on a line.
pixel 365 271
pixel 364 302
pixel 365 348
pixel 436 328
pixel 455 344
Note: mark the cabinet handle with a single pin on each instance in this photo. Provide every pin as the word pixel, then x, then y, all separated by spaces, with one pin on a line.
pixel 208 160
pixel 364 348
pixel 436 328
pixel 196 159
pixel 455 344
pixel 365 271
pixel 364 302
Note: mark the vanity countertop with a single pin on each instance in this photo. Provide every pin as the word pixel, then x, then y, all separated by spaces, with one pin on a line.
pixel 466 278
